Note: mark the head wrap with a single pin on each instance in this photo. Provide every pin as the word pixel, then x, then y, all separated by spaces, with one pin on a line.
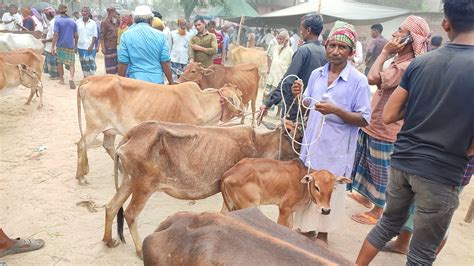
pixel 343 32
pixel 420 31
pixel 49 10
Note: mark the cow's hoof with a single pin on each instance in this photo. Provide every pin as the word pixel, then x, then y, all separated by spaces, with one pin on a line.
pixel 112 243
pixel 82 181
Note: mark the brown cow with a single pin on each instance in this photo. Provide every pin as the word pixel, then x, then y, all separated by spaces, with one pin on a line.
pixel 244 237
pixel 25 56
pixel 184 161
pixel 114 104
pixel 254 182
pixel 244 76
pixel 12 75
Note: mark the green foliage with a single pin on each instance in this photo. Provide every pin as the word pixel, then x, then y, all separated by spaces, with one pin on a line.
pixel 189 5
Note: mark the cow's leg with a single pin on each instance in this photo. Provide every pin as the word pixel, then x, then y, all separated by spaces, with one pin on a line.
pixel 32 93
pixel 109 141
pixel 283 216
pixel 141 193
pixel 253 110
pixel 243 115
pixel 82 161
pixel 112 208
pixel 40 105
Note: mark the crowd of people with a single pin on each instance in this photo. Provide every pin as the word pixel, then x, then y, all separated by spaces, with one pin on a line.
pixel 408 149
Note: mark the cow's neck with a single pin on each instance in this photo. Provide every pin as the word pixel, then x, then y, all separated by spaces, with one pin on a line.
pixel 268 145
pixel 210 104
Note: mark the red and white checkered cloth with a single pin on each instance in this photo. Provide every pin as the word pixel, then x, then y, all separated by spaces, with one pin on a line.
pixel 420 31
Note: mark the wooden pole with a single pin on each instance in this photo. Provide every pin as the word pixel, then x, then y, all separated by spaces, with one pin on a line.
pixel 319 6
pixel 240 29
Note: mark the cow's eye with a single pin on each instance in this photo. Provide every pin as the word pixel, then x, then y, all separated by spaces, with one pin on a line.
pixel 193 71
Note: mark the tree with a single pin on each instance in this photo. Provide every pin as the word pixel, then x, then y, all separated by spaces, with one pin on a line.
pixel 190 5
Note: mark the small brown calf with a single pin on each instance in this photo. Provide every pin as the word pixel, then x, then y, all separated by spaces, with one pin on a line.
pixel 253 182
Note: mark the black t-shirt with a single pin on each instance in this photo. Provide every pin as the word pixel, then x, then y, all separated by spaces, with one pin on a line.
pixel 439 115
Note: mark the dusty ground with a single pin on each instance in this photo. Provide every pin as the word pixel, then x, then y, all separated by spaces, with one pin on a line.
pixel 39 194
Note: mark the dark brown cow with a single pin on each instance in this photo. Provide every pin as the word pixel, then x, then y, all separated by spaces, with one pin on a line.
pixel 244 237
pixel 113 105
pixel 184 161
pixel 254 182
pixel 244 76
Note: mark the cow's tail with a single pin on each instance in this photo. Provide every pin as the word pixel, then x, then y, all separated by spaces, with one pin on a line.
pixel 120 216
pixel 79 109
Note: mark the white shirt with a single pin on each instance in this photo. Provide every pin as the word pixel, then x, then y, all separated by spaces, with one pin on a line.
pixel 271 46
pixel 86 33
pixel 179 47
pixel 295 39
pixel 49 35
pixel 358 56
pixel 11 26
pixel 280 63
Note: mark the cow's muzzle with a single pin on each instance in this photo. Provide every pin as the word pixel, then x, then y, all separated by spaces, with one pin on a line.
pixel 325 211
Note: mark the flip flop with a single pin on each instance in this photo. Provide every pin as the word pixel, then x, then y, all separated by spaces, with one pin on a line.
pixel 23 245
pixel 389 248
pixel 364 218
pixel 355 196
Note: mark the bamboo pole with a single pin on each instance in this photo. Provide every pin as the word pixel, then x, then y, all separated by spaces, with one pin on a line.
pixel 319 6
pixel 240 29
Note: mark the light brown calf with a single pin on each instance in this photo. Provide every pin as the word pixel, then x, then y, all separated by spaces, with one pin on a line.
pixel 113 105
pixel 253 182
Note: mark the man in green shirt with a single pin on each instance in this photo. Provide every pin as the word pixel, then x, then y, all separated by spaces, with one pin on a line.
pixel 203 46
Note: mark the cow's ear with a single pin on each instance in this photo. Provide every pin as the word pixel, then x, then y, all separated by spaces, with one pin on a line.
pixel 306 179
pixel 343 180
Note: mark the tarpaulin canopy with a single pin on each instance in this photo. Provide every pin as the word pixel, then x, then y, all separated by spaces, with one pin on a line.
pixel 353 12
pixel 233 8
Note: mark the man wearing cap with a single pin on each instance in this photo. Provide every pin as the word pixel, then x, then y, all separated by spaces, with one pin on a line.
pixel 141 47
pixel 108 40
pixel 339 105
pixel 65 44
pixel 50 62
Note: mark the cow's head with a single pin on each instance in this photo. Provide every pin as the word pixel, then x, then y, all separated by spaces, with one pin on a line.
pixel 28 76
pixel 231 101
pixel 320 185
pixel 194 72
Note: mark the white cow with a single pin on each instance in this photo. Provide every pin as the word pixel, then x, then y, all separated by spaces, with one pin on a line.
pixel 16 41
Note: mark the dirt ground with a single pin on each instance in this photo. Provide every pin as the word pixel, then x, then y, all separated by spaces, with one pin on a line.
pixel 39 195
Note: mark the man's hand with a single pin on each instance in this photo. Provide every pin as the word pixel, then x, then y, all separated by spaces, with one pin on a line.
pixel 53 51
pixel 103 49
pixel 90 48
pixel 326 108
pixel 197 47
pixel 394 46
pixel 264 110
pixel 297 87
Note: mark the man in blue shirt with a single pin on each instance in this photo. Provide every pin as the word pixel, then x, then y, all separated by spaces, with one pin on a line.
pixel 142 47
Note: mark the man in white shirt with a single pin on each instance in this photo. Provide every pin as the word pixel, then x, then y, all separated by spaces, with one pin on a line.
pixel 179 41
pixel 12 18
pixel 87 31
pixel 295 40
pixel 50 62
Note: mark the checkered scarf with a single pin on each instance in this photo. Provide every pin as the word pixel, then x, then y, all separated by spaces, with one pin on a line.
pixel 343 32
pixel 420 31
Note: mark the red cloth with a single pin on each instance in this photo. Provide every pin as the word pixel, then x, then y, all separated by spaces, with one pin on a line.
pixel 420 31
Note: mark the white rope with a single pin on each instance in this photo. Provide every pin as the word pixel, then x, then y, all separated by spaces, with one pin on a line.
pixel 300 115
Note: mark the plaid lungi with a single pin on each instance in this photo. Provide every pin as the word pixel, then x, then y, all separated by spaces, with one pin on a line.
pixel 111 61
pixel 87 62
pixel 371 168
pixel 50 65
pixel 66 56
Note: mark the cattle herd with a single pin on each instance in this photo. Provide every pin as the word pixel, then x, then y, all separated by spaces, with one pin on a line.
pixel 174 142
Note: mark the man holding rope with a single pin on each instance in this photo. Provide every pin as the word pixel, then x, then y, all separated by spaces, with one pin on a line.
pixel 338 99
